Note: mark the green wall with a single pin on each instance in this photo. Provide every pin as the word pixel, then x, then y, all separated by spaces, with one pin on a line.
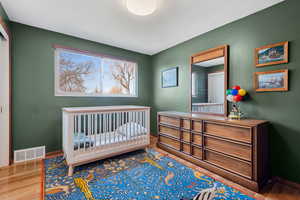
pixel 36 111
pixel 3 13
pixel 275 24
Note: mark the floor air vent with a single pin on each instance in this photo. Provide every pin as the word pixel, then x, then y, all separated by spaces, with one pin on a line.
pixel 29 154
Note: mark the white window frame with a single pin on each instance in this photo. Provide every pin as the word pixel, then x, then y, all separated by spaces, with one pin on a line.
pixel 57 91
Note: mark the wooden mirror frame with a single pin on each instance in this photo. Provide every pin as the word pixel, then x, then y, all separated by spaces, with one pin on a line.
pixel 217 52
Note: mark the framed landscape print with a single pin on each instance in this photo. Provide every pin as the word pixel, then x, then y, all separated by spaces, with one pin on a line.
pixel 169 77
pixel 276 80
pixel 271 54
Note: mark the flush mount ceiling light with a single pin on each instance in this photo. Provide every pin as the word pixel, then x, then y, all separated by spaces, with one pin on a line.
pixel 141 7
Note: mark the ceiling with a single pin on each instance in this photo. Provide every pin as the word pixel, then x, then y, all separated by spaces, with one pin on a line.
pixel 109 22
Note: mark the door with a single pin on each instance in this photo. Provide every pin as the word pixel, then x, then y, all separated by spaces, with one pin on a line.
pixel 4 99
pixel 215 92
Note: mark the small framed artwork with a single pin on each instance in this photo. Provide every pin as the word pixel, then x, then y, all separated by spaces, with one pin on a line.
pixel 169 77
pixel 272 54
pixel 276 80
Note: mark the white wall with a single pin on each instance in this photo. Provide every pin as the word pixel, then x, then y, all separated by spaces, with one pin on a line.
pixel 4 99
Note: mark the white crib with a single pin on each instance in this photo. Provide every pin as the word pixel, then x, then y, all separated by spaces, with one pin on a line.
pixel 95 133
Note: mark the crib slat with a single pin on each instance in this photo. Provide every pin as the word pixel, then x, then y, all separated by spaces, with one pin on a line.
pixel 89 132
pixel 91 138
pixel 130 121
pixel 104 128
pixel 119 124
pixel 79 132
pixel 109 127
pixel 131 125
pixel 104 131
pixel 112 122
pixel 114 126
pixel 94 130
pixel 100 128
pixel 144 124
pixel 84 131
pixel 138 127
pixel 75 129
pixel 134 127
pixel 126 125
pixel 117 127
pixel 140 124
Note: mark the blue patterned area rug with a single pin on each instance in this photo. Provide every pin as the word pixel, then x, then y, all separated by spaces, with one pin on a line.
pixel 134 176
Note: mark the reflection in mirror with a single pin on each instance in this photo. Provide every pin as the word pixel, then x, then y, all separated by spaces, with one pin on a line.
pixel 208 86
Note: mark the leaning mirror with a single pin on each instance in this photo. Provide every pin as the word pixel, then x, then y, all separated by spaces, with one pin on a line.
pixel 209 81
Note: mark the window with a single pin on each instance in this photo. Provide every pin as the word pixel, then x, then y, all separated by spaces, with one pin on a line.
pixel 85 74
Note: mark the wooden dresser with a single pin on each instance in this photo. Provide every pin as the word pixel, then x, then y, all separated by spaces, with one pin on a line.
pixel 234 149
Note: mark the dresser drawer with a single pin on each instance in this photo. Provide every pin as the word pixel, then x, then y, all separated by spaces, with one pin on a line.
pixel 230 148
pixel 197 126
pixel 169 142
pixel 169 131
pixel 197 152
pixel 230 132
pixel 186 148
pixel 186 136
pixel 239 167
pixel 170 121
pixel 186 124
pixel 197 139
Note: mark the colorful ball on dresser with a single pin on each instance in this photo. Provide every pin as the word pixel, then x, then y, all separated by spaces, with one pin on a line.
pixel 234 92
pixel 228 92
pixel 242 92
pixel 236 87
pixel 237 98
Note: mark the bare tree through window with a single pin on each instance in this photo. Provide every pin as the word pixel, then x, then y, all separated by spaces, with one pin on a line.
pixel 72 75
pixel 124 74
pixel 81 74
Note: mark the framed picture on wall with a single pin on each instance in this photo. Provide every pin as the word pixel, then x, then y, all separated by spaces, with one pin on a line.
pixel 169 77
pixel 276 80
pixel 272 54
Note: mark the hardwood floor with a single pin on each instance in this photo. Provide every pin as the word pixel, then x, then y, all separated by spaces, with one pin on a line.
pixel 23 182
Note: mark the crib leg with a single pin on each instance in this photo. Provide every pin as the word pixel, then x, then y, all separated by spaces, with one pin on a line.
pixel 70 172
